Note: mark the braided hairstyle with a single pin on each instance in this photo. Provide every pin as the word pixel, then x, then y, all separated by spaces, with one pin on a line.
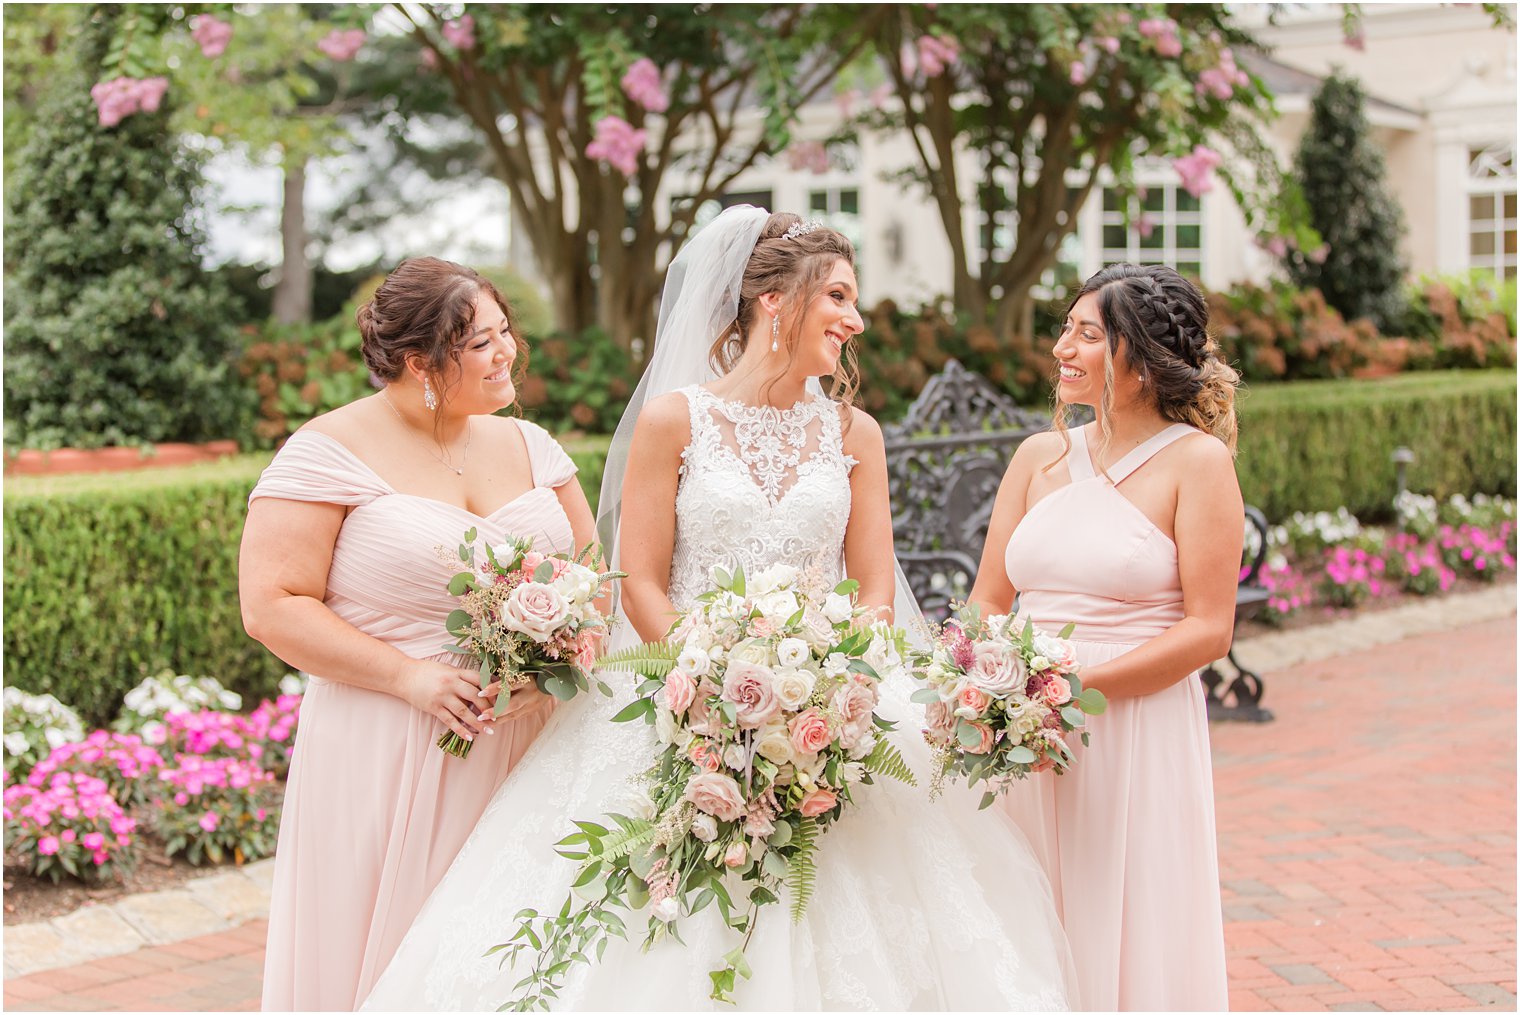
pixel 798 269
pixel 1164 321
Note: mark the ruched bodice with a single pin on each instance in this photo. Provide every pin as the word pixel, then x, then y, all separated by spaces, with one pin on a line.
pixel 389 577
pixel 759 485
pixel 1086 555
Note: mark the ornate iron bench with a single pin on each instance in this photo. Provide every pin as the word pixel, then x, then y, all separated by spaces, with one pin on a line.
pixel 945 461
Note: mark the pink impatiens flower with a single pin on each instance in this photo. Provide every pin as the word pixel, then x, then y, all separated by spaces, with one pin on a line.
pixel 642 84
pixel 209 821
pixel 47 845
pixel 211 34
pixel 617 144
pixel 1197 169
pixel 342 45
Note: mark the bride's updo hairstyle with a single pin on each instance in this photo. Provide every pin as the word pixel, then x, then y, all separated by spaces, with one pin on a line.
pixel 426 308
pixel 797 268
pixel 1163 319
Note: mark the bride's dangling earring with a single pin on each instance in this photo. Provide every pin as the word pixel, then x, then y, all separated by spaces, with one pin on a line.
pixel 775 333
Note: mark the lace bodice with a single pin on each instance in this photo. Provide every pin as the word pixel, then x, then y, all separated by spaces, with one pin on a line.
pixel 759 486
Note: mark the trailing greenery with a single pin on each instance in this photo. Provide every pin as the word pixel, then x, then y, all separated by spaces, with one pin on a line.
pixel 114 333
pixel 1340 170
pixel 111 578
pixel 1321 445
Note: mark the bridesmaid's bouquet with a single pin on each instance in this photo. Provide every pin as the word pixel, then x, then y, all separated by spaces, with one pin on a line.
pixel 763 699
pixel 1001 697
pixel 526 617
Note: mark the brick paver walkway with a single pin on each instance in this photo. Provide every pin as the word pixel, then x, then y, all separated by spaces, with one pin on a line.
pixel 1367 848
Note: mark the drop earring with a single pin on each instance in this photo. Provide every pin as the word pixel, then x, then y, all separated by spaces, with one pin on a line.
pixel 428 398
pixel 775 334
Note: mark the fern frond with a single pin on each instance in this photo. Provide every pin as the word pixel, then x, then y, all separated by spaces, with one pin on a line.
pixel 625 840
pixel 886 759
pixel 800 870
pixel 651 659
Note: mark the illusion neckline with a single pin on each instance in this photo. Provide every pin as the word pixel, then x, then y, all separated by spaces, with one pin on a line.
pixel 809 401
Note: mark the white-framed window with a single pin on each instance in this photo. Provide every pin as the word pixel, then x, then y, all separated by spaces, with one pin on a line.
pixel 1491 209
pixel 1160 224
pixel 839 209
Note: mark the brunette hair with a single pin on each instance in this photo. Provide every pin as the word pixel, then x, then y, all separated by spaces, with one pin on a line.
pixel 426 308
pixel 797 268
pixel 1163 319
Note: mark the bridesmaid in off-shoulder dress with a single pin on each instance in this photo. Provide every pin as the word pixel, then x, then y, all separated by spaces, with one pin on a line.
pixel 1131 527
pixel 341 577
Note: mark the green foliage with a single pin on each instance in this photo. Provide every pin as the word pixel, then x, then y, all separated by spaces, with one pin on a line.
pixel 114 334
pixel 578 383
pixel 1311 446
pixel 1342 176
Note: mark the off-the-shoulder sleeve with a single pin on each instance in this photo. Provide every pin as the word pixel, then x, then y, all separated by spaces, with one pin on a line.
pixel 315 467
pixel 551 466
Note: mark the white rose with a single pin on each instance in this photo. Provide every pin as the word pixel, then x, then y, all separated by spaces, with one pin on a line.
pixel 771 579
pixel 792 652
pixel 851 771
pixel 695 660
pixel 577 584
pixel 640 804
pixel 882 656
pixel 864 746
pixel 817 629
pixel 666 729
pixel 777 607
pixel 1039 663
pixel 794 687
pixel 837 608
pixel 734 756
pixel 773 742
pixel 667 909
pixel 837 664
pixel 704 827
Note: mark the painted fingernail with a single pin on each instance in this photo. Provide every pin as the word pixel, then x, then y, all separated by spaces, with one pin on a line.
pixel 490 732
pixel 480 694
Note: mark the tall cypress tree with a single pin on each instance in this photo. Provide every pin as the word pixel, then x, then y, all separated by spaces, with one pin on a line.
pixel 1342 175
pixel 114 333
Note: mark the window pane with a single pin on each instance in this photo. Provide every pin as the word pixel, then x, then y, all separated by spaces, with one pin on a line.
pixel 1111 200
pixel 1150 259
pixel 1155 241
pixel 1509 241
pixel 1189 237
pixel 1480 206
pixel 849 202
pixel 1116 237
pixel 1186 201
pixel 818 201
pixel 1154 200
pixel 1190 268
pixel 1509 206
pixel 1482 244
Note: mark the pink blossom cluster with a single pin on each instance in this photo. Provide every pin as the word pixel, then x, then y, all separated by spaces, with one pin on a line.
pixel 69 823
pixel 1353 575
pixel 122 760
pixel 642 84
pixel 1222 79
pixel 811 156
pixel 460 33
pixel 937 53
pixel 1163 35
pixel 618 144
pixel 119 98
pixel 1197 169
pixel 1288 588
pixel 1425 573
pixel 211 34
pixel 272 727
pixel 1477 551
pixel 215 807
pixel 342 45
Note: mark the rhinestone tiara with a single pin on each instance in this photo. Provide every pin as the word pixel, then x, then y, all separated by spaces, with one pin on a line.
pixel 802 229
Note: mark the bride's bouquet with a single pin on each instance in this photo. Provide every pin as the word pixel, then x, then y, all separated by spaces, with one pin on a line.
pixel 1002 696
pixel 763 699
pixel 526 617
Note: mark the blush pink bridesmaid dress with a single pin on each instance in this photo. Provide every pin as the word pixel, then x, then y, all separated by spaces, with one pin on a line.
pixel 1126 836
pixel 374 813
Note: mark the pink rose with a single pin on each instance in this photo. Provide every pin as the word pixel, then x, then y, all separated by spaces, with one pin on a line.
pixel 704 755
pixel 585 650
pixel 716 794
pixel 1057 691
pixel 998 668
pixel 735 855
pixel 530 563
pixel 974 698
pixel 536 610
pixel 854 704
pixel 762 627
pixel 680 690
pixel 987 738
pixel 820 801
pixel 752 690
pixel 699 717
pixel 941 720
pixel 810 732
pixel 47 845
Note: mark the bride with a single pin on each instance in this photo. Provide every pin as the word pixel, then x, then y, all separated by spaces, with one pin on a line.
pixel 738 458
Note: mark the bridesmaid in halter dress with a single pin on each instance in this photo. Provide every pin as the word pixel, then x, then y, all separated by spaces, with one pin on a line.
pixel 1131 528
pixel 340 576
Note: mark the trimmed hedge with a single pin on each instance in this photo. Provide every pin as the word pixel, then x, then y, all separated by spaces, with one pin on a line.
pixel 111 578
pixel 1320 445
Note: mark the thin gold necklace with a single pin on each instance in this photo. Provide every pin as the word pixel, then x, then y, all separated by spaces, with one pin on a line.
pixel 447 463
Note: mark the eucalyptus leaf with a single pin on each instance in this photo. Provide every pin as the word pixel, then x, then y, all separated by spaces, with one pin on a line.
pixel 924 696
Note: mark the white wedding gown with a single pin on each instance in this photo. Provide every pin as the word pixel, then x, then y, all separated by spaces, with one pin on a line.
pixel 918 904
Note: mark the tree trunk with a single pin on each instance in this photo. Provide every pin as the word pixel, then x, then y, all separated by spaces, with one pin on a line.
pixel 292 293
